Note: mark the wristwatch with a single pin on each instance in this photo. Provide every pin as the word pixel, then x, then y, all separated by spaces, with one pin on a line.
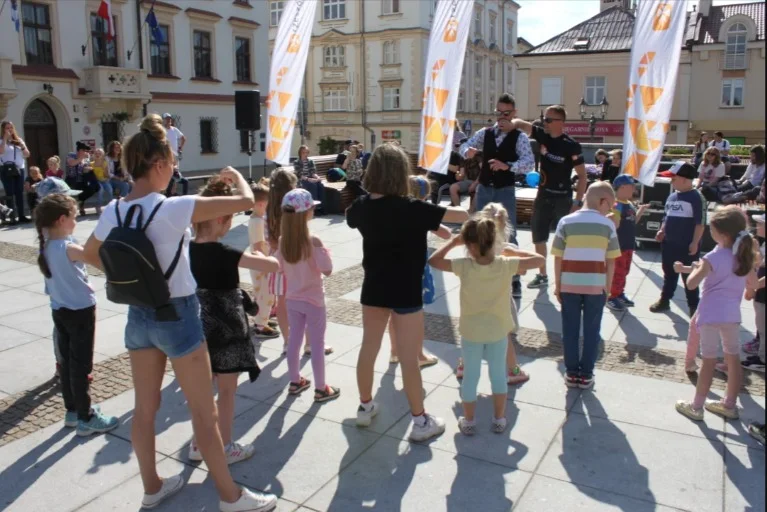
pixel 578 203
pixel 509 164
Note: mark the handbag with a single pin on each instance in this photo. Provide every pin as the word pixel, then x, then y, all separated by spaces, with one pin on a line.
pixel 9 169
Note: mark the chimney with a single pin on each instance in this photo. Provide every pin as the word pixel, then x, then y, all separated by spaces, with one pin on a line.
pixel 607 4
pixel 704 7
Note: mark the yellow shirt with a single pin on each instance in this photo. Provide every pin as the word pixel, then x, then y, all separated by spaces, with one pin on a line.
pixel 485 307
pixel 100 172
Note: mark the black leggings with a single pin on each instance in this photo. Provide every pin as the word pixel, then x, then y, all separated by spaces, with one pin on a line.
pixel 75 334
pixel 87 183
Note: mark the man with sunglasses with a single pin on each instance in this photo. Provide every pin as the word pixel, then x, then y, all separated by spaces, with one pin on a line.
pixel 506 152
pixel 560 154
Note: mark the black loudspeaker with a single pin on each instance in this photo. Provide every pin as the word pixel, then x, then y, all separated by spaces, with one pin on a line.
pixel 247 110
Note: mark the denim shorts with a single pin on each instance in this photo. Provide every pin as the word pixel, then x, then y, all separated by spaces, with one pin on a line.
pixel 175 339
pixel 407 311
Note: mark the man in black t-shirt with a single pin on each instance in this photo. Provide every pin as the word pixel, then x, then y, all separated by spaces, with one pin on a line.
pixel 560 154
pixel 341 157
pixel 438 180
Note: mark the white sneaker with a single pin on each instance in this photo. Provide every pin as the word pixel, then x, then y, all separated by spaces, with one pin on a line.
pixel 365 416
pixel 251 502
pixel 194 452
pixel 433 427
pixel 170 486
pixel 236 452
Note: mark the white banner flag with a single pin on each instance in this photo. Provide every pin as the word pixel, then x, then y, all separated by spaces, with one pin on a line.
pixel 447 47
pixel 655 51
pixel 286 76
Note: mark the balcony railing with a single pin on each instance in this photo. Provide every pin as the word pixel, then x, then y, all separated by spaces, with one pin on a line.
pixel 734 61
pixel 106 81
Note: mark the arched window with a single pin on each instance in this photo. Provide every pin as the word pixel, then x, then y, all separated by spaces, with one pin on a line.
pixel 390 52
pixel 735 47
pixel 335 57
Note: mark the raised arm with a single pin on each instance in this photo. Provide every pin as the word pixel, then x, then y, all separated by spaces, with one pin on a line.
pixel 475 142
pixel 207 208
pixel 455 215
pixel 257 261
pixel 523 126
pixel 438 260
pixel 443 232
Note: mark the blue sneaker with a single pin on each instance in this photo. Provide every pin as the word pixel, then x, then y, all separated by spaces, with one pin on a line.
pixel 98 424
pixel 70 419
pixel 626 301
pixel 616 305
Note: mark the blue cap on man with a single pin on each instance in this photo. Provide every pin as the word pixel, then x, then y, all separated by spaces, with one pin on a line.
pixel 623 179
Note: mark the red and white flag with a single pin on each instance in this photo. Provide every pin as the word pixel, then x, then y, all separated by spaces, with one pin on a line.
pixel 105 12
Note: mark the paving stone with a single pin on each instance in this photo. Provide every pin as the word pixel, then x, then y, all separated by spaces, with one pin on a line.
pixel 10 337
pixel 744 478
pixel 419 478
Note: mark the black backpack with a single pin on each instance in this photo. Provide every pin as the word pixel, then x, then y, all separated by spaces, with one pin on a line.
pixel 134 276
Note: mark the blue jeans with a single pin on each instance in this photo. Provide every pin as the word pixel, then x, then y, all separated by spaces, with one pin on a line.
pixel 316 189
pixel 588 308
pixel 123 187
pixel 106 190
pixel 14 192
pixel 507 196
pixel 671 253
pixel 495 355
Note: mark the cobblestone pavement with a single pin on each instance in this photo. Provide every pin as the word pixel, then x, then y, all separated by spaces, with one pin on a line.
pixel 24 413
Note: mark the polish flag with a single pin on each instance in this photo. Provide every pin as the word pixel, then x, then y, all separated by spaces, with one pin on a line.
pixel 105 12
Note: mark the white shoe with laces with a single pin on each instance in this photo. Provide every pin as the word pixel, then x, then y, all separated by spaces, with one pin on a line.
pixel 170 486
pixel 365 415
pixel 433 427
pixel 236 452
pixel 250 502
pixel 194 452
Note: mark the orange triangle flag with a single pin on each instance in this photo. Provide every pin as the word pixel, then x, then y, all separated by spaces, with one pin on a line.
pixel 284 98
pixel 440 96
pixel 650 95
pixel 431 153
pixel 273 149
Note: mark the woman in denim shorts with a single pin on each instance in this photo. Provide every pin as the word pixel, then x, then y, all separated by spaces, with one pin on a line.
pixel 150 341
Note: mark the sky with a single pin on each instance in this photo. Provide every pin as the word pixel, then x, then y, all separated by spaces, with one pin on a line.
pixel 540 20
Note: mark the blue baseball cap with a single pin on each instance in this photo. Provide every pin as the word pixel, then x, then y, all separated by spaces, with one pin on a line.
pixel 623 179
pixel 53 185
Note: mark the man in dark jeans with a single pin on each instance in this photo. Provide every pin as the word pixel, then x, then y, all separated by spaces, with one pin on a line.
pixel 560 154
pixel 80 176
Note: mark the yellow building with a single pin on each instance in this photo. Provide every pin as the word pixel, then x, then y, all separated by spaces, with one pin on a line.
pixel 720 84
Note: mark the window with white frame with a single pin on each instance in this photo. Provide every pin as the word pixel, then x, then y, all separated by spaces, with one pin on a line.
pixel 335 57
pixel 461 101
pixel 595 90
pixel 735 47
pixel 478 66
pixel 477 21
pixel 275 12
pixel 732 92
pixel 333 9
pixel 551 90
pixel 390 6
pixel 391 98
pixel 509 33
pixel 492 70
pixel 477 101
pixel 390 52
pixel 335 100
pixel 493 30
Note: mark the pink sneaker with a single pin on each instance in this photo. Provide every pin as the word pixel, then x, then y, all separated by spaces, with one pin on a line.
pixel 751 348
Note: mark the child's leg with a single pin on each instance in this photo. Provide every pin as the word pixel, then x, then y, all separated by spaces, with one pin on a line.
pixel 693 343
pixel 709 348
pixel 731 347
pixel 56 349
pixel 593 307
pixel 297 325
pixel 316 321
pixel 282 318
pixel 759 310
pixel 622 267
pixel 392 337
pixel 495 355
pixel 261 295
pixel 106 190
pixel 670 278
pixel 693 296
pixel 571 327
pixel 373 326
pixel 80 327
pixel 472 364
pixel 60 322
pixel 227 386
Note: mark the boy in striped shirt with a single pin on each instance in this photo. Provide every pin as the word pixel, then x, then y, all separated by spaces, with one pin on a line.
pixel 585 248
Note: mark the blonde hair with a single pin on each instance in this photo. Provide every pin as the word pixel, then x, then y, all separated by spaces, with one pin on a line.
pixel 388 171
pixel 717 156
pixel 35 169
pixel 215 187
pixel 56 161
pixel 415 184
pixel 731 222
pixel 504 230
pixel 295 241
pixel 146 148
pixel 261 190
pixel 598 191
pixel 481 232
pixel 283 180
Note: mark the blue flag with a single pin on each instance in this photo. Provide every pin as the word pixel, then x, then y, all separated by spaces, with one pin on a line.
pixel 15 14
pixel 151 20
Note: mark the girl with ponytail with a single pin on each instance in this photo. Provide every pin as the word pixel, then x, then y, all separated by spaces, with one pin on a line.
pixel 725 272
pixel 486 318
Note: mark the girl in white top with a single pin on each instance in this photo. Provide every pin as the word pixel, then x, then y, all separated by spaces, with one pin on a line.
pixel 754 175
pixel 149 160
pixel 711 168
pixel 257 237
pixel 13 150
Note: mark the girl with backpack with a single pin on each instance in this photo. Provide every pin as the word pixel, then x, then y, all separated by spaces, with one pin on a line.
pixel 175 331
pixel 215 267
pixel 73 302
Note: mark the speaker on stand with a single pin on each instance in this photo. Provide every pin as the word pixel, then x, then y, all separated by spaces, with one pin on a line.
pixel 247 118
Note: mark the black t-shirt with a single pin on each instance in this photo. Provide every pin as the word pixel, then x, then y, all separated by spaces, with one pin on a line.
pixel 455 158
pixel 559 156
pixel 215 265
pixel 394 233
pixel 610 172
pixel 340 158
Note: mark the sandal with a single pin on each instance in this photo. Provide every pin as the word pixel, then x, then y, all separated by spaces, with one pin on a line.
pixel 299 387
pixel 326 395
pixel 328 351
pixel 429 361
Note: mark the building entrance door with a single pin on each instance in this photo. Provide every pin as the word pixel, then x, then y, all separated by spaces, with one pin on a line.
pixel 40 134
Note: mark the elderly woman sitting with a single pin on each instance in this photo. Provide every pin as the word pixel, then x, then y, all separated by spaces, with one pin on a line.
pixel 306 172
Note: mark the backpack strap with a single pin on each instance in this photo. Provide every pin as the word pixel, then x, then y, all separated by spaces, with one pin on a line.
pixel 151 215
pixel 117 213
pixel 177 257
pixel 130 214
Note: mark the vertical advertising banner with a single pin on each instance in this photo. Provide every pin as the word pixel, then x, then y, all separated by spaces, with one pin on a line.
pixel 655 52
pixel 444 64
pixel 286 76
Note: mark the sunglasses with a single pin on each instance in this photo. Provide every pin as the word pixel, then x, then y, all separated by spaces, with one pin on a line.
pixel 549 120
pixel 503 113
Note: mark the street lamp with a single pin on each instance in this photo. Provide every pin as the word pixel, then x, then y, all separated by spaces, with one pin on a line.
pixel 591 117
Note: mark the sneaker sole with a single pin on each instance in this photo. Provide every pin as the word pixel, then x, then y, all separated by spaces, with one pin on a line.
pixel 170 493
pixel 684 413
pixel 90 432
pixel 266 336
pixel 532 286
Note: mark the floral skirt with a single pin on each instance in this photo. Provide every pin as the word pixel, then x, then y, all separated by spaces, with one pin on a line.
pixel 227 332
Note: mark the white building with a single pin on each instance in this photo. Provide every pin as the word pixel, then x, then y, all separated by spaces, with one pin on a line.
pixel 56 93
pixel 365 70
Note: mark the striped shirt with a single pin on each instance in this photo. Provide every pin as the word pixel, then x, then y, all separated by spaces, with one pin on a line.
pixel 585 240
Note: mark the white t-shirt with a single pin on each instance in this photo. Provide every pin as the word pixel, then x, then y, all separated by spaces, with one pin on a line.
pixel 8 155
pixel 724 145
pixel 174 135
pixel 166 229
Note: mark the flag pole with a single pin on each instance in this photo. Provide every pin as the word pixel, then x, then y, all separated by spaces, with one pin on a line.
pixel 140 28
